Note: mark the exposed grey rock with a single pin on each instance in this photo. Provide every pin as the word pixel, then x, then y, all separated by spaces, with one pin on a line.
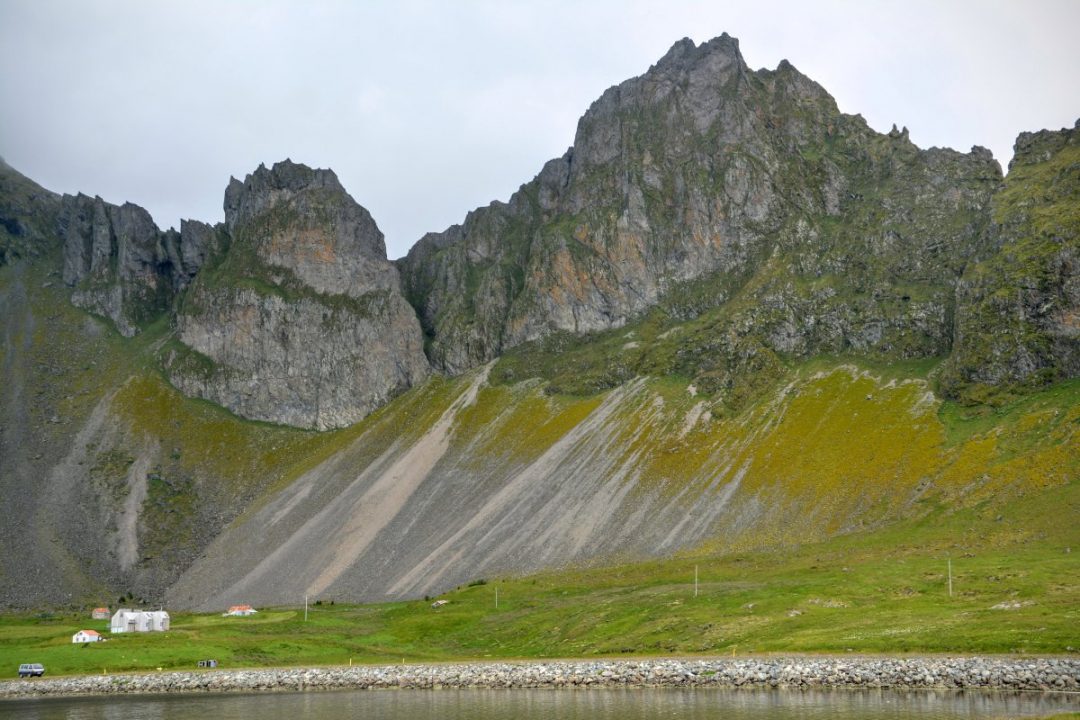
pixel 115 258
pixel 303 321
pixel 198 244
pixel 120 265
pixel 302 362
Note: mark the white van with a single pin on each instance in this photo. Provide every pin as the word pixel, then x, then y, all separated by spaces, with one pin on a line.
pixel 31 669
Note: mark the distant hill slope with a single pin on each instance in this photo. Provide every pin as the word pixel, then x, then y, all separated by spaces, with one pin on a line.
pixel 504 479
pixel 731 316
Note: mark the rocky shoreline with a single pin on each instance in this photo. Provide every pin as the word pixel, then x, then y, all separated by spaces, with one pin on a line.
pixel 1053 674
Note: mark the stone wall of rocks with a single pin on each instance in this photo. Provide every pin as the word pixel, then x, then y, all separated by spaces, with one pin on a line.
pixel 961 673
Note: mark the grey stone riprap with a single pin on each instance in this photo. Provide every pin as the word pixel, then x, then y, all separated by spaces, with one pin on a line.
pixel 1046 674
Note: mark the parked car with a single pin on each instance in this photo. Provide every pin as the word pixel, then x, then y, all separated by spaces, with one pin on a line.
pixel 31 669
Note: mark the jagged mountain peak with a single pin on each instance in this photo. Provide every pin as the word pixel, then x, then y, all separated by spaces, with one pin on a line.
pixel 1034 147
pixel 266 187
pixel 316 331
pixel 685 52
pixel 697 168
pixel 701 78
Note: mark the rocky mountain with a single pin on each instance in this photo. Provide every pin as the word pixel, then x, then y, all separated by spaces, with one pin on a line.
pixel 729 317
pixel 702 181
pixel 1018 318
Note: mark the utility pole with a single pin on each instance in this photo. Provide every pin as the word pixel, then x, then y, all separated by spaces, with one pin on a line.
pixel 695 581
pixel 950 577
pixel 496 597
pixel 305 608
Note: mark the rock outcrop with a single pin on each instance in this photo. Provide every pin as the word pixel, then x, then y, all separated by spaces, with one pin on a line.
pixel 696 182
pixel 302 321
pixel 27 216
pixel 119 264
pixel 701 189
pixel 1018 316
pixel 116 261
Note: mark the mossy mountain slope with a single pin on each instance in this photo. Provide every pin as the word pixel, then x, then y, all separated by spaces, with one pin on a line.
pixel 506 479
pixel 26 214
pixel 115 483
pixel 1018 319
pixel 111 481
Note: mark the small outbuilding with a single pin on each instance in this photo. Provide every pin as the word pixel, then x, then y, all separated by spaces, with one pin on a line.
pixel 85 636
pixel 241 610
pixel 101 613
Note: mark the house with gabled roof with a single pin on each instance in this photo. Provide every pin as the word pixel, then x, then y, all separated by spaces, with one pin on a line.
pixel 241 610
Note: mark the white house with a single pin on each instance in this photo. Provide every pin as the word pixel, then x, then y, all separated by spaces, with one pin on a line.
pixel 85 636
pixel 139 621
pixel 100 613
pixel 241 610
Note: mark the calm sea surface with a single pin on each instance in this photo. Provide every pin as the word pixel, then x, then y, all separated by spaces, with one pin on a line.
pixel 703 704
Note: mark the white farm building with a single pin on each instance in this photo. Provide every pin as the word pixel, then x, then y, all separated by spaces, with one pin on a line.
pixel 139 621
pixel 241 610
pixel 85 636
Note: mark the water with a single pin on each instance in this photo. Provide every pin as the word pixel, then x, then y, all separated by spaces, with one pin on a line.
pixel 548 704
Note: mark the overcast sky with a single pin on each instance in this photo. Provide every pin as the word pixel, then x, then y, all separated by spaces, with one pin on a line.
pixel 427 110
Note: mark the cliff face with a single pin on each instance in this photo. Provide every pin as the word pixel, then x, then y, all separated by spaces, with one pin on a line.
pixel 1018 319
pixel 703 170
pixel 116 261
pixel 27 216
pixel 302 321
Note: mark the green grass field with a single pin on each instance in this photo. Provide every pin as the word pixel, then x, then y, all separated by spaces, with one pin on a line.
pixel 884 591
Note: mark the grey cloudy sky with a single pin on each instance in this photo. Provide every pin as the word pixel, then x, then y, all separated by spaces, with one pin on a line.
pixel 429 109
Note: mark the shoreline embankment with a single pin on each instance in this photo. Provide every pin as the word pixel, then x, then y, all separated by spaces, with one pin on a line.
pixel 1031 674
